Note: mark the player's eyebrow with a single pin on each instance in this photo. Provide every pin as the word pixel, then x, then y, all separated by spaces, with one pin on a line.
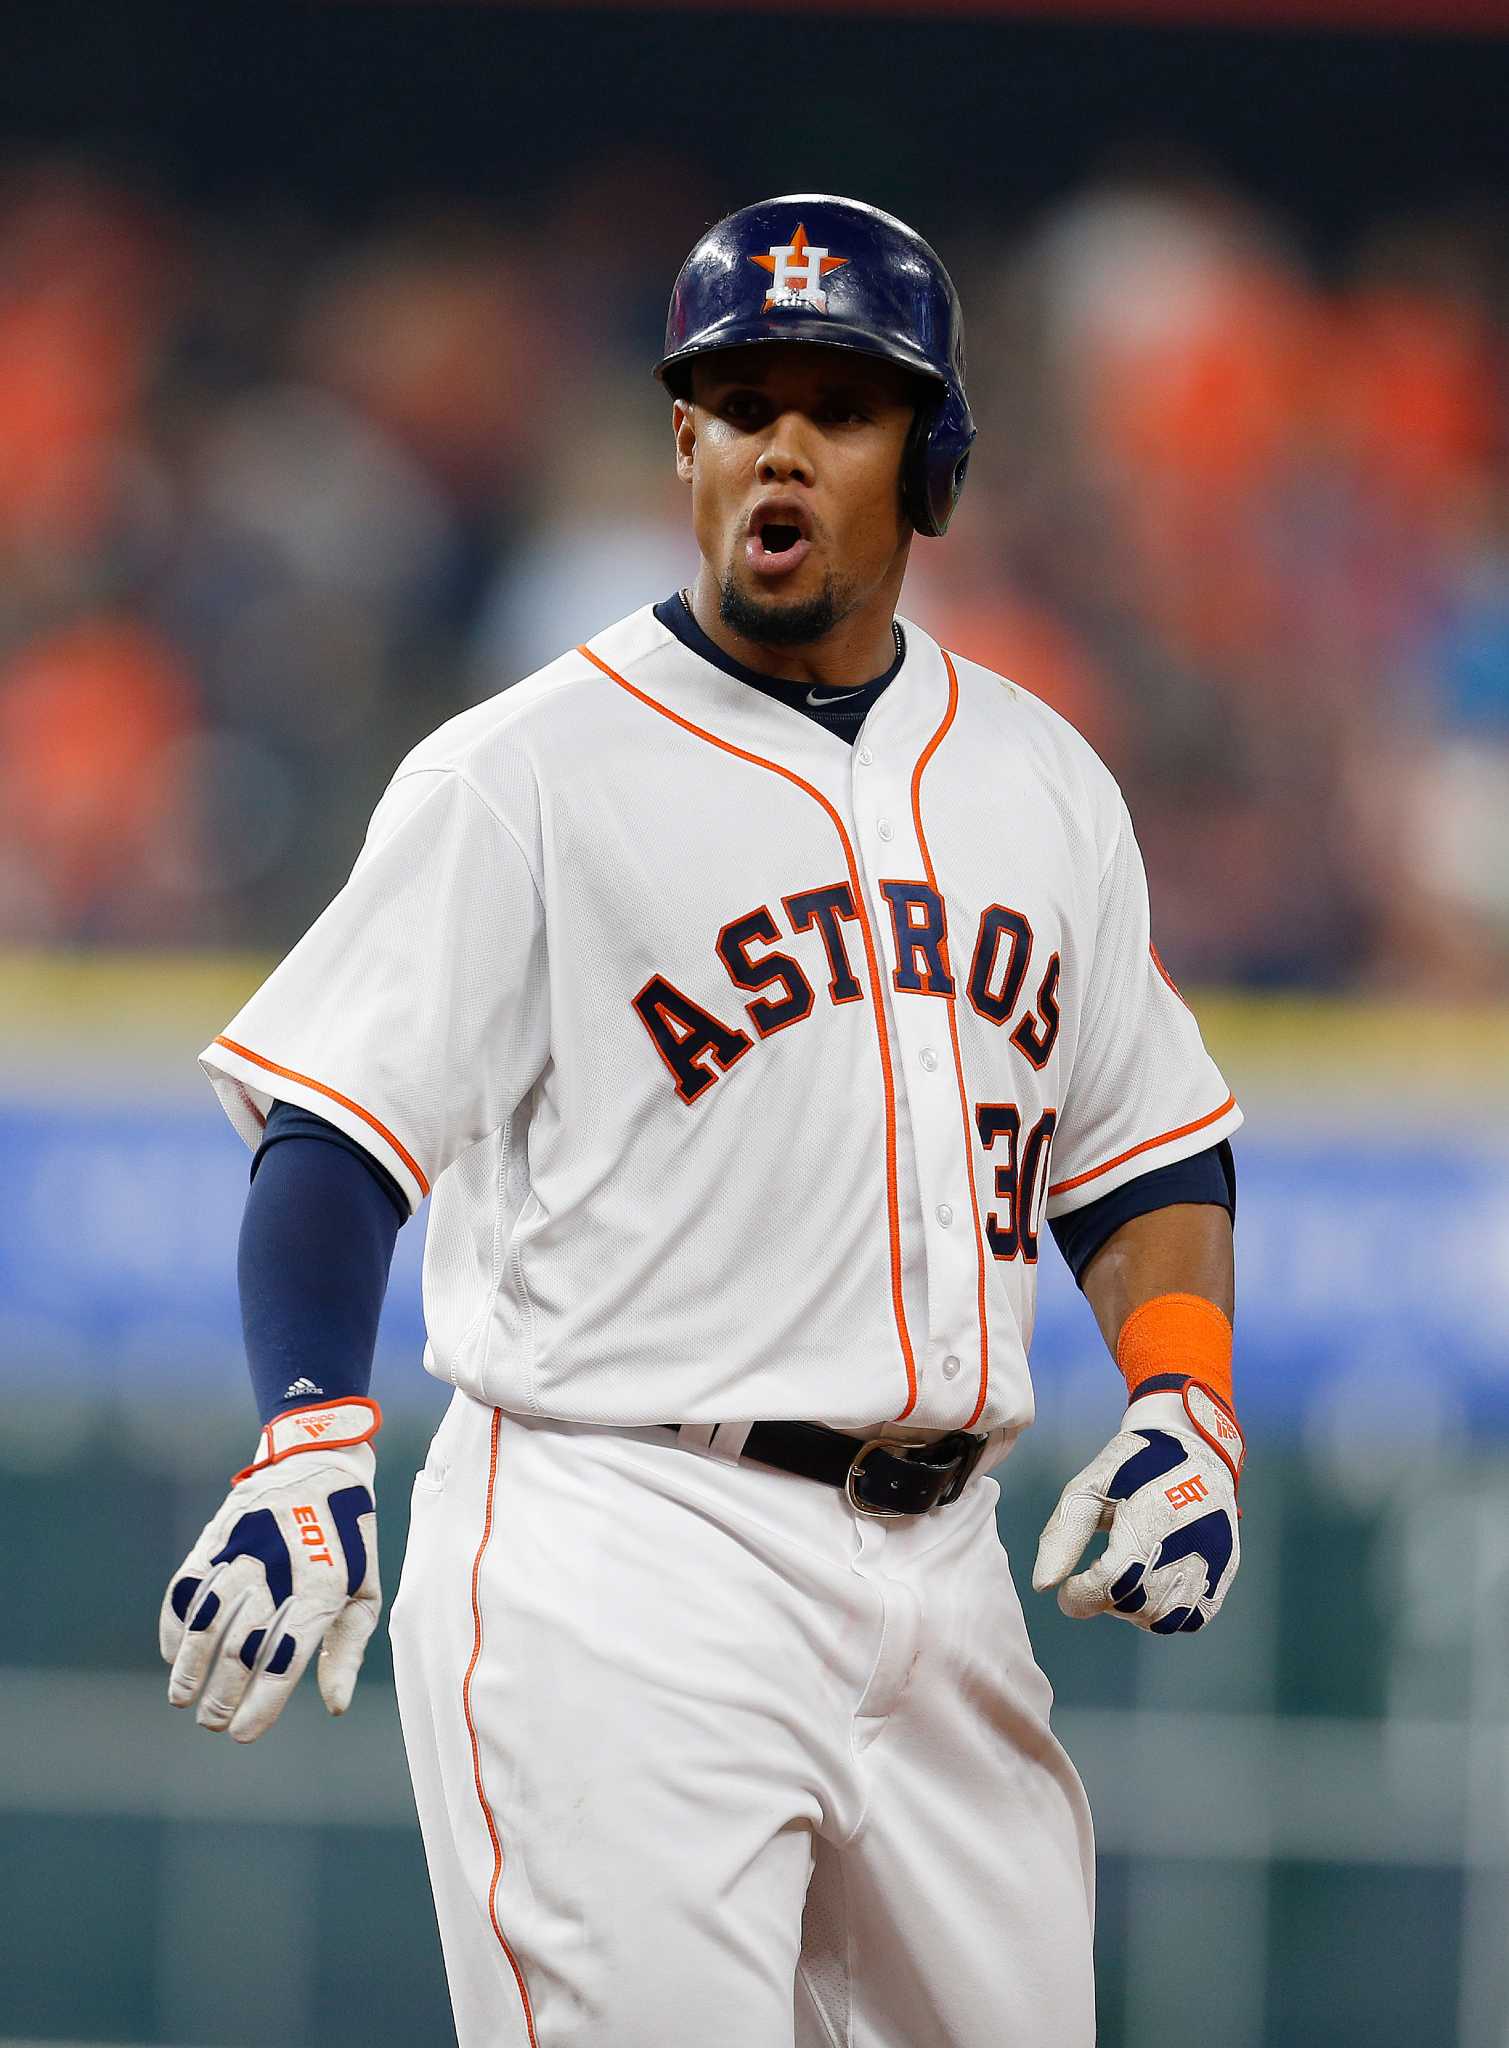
pixel 871 389
pixel 845 384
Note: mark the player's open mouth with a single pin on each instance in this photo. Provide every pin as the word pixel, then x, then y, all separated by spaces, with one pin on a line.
pixel 775 549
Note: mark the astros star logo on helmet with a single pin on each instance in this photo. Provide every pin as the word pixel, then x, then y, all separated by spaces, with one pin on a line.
pixel 797 270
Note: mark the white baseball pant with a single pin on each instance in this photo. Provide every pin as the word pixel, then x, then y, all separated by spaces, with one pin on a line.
pixel 703 1759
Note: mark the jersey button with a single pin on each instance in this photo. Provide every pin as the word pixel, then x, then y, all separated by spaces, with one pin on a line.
pixel 945 1214
pixel 886 829
pixel 927 1059
pixel 950 1366
pixel 865 758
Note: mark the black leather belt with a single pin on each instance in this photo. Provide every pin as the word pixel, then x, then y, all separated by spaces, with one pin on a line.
pixel 881 1476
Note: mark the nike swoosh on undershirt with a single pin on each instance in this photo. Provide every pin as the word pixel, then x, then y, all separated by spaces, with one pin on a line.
pixel 818 698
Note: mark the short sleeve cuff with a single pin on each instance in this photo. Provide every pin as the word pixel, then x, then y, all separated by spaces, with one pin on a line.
pixel 1163 1148
pixel 248 1084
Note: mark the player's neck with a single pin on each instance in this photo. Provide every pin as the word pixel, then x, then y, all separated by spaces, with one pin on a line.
pixel 860 647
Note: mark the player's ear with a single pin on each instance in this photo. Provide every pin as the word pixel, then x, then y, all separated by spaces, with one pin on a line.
pixel 684 427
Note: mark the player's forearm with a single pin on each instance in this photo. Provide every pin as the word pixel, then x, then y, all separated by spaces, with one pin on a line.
pixel 1164 1488
pixel 1183 1249
pixel 316 1245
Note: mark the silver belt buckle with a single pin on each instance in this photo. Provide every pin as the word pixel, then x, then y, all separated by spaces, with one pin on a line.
pixel 879 1443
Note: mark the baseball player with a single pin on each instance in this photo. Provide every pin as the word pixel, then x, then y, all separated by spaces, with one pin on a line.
pixel 751 986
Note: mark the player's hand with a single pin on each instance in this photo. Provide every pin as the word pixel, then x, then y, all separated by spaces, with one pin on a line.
pixel 1165 1491
pixel 287 1566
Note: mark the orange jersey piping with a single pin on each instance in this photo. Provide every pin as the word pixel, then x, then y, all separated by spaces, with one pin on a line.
pixel 1148 1144
pixel 953 1032
pixel 893 1209
pixel 471 1729
pixel 289 1074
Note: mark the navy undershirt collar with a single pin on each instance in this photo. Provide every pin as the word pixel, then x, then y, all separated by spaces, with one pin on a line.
pixel 840 712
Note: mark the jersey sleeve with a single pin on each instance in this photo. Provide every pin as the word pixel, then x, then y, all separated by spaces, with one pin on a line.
pixel 1143 1091
pixel 413 1012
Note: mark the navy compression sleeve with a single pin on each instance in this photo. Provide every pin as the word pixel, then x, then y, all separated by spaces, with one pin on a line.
pixel 316 1246
pixel 1210 1176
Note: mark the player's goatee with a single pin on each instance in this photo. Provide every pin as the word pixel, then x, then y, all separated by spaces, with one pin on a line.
pixel 769 623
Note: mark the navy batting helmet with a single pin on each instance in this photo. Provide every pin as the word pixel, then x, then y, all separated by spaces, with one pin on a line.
pixel 813 267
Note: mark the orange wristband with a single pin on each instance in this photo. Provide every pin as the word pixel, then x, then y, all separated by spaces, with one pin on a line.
pixel 1177 1333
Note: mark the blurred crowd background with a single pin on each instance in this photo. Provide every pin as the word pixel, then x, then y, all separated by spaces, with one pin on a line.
pixel 325 413
pixel 278 495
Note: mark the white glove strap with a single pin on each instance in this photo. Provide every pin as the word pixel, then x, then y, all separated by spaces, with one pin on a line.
pixel 322 1426
pixel 1193 1407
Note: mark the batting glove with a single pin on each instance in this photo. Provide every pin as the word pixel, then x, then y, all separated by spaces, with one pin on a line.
pixel 1165 1490
pixel 288 1564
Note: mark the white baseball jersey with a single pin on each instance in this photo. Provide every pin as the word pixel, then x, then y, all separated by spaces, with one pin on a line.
pixel 744 1065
